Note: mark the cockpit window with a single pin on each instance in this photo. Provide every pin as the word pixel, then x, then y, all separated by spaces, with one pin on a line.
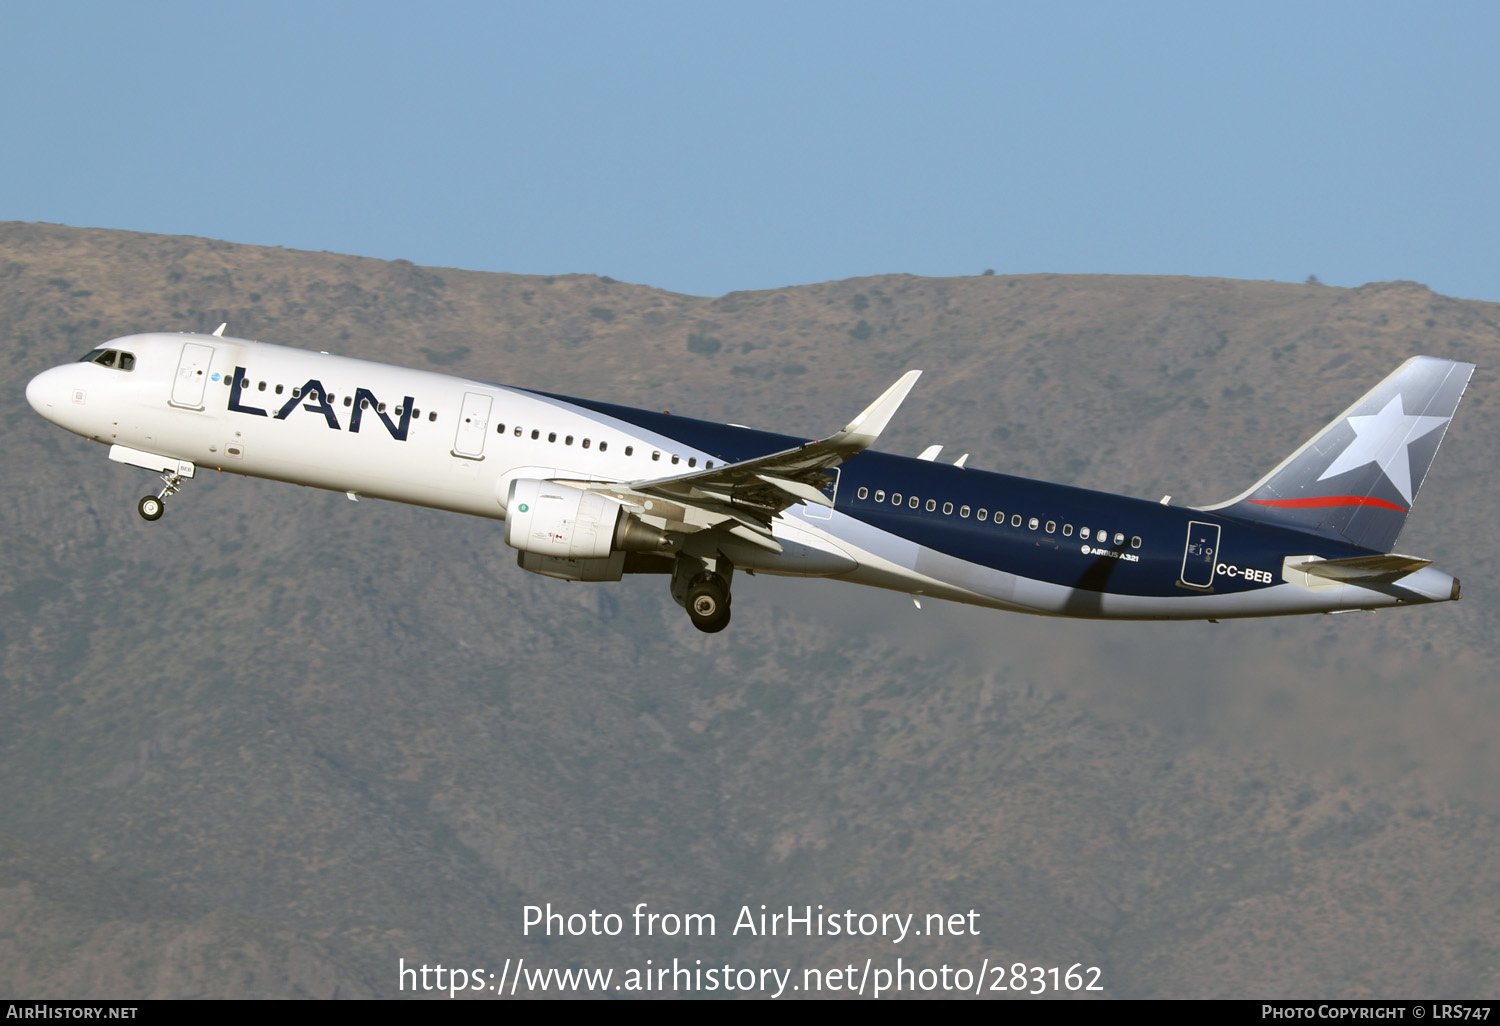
pixel 109 358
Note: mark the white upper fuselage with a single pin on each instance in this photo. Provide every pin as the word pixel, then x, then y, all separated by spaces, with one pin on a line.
pixel 452 458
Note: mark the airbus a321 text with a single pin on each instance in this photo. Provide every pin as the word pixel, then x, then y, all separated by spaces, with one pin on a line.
pixel 590 491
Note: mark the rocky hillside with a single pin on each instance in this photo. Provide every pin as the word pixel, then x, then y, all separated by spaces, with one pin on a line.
pixel 277 741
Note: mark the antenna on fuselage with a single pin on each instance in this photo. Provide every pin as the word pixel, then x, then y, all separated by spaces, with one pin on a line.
pixel 219 332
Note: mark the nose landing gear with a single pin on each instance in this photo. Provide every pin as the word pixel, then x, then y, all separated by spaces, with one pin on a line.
pixel 151 507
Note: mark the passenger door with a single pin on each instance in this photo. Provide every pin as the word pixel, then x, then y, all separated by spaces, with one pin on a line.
pixel 473 424
pixel 1200 554
pixel 192 376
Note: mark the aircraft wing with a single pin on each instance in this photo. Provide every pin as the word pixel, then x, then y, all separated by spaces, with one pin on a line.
pixel 751 492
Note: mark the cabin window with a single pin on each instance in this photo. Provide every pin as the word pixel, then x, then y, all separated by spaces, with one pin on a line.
pixel 278 389
pixel 517 431
pixel 1015 520
pixel 676 459
pixel 296 393
pixel 948 509
pixel 1083 532
pixel 261 387
pixel 568 440
pixel 499 428
pixel 1101 536
pixel 709 464
pixel 630 450
pixel 551 436
pixel 692 461
pixel 585 443
pixel 864 493
pixel 1119 538
pixel 535 434
pixel 1051 526
pixel 963 511
pixel 1135 541
pixel 983 514
pixel 895 498
pixel 380 407
pixel 1033 523
pixel 348 400
pixel 655 455
pixel 913 502
pixel 603 446
pixel 931 505
pixel 1067 530
pixel 432 417
pixel 880 495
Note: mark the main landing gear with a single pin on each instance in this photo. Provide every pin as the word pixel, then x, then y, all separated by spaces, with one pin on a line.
pixel 701 586
pixel 708 603
pixel 151 507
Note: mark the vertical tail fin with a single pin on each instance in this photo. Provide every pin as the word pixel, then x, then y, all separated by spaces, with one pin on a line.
pixel 1356 478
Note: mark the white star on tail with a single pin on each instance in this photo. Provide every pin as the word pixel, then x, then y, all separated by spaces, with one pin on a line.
pixel 1382 438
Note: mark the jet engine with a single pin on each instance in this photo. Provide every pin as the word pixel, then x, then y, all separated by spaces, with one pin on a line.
pixel 573 534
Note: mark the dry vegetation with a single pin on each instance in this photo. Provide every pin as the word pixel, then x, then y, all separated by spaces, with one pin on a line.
pixel 276 741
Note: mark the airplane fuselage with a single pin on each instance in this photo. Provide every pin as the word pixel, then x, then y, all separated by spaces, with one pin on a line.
pixel 378 431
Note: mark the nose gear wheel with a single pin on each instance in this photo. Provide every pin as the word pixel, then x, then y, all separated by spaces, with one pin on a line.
pixel 151 507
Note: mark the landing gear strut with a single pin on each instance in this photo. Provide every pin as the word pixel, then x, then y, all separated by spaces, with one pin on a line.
pixel 151 507
pixel 701 586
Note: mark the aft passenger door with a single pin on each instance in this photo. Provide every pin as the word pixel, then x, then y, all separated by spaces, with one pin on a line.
pixel 473 423
pixel 192 376
pixel 1200 554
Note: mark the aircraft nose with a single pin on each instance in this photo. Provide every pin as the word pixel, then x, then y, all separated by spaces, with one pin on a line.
pixel 47 392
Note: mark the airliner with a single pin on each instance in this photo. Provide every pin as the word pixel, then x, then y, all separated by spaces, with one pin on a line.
pixel 591 491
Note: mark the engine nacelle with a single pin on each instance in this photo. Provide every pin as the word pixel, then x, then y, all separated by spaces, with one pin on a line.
pixel 611 569
pixel 578 535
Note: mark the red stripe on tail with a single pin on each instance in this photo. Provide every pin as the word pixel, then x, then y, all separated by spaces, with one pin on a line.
pixel 1331 500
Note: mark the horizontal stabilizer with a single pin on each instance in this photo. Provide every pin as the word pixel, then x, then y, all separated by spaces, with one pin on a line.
pixel 1360 569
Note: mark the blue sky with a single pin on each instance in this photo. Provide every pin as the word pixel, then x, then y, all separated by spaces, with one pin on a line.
pixel 708 147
